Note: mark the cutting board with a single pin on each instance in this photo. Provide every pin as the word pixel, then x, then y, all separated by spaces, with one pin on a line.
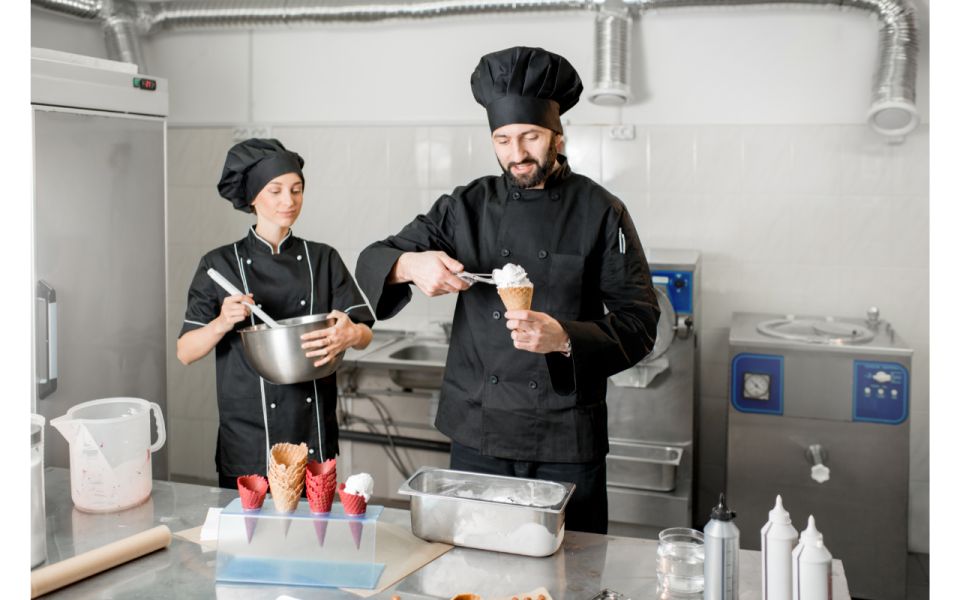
pixel 402 553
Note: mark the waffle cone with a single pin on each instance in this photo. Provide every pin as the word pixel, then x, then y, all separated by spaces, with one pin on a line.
pixel 356 530
pixel 250 523
pixel 321 484
pixel 286 473
pixel 353 504
pixel 320 528
pixel 320 499
pixel 253 489
pixel 289 455
pixel 516 298
pixel 285 499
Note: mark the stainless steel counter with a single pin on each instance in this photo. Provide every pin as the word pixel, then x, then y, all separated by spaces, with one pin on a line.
pixel 585 563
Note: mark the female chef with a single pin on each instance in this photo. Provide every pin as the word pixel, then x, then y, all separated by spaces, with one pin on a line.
pixel 288 277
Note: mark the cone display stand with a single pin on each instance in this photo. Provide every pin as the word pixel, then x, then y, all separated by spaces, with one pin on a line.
pixel 298 548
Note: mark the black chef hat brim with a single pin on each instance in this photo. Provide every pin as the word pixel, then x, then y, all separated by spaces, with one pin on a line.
pixel 270 168
pixel 508 110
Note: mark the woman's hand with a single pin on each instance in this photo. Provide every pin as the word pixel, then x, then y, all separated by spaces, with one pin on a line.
pixel 195 344
pixel 326 344
pixel 232 312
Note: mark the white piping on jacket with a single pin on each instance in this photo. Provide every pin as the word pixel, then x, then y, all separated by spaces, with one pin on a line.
pixel 263 393
pixel 269 245
pixel 316 398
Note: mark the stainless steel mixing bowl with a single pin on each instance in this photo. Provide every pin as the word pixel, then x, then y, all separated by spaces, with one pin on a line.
pixel 275 353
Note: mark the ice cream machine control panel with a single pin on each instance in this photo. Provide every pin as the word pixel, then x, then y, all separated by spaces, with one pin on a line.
pixel 880 392
pixel 679 288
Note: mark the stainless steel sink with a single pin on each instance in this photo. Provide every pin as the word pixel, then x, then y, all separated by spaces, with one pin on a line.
pixel 422 352
pixel 414 362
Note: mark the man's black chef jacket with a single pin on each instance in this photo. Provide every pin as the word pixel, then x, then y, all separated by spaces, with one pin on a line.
pixel 301 278
pixel 581 251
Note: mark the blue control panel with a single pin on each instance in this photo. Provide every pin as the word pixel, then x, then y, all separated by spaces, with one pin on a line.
pixel 679 287
pixel 880 392
pixel 756 383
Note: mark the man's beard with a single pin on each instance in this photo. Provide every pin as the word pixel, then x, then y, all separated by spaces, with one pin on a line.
pixel 538 175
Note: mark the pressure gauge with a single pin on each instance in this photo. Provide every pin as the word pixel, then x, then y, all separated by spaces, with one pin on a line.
pixel 756 386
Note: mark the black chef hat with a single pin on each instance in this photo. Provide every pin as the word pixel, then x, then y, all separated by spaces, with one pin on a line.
pixel 525 85
pixel 251 165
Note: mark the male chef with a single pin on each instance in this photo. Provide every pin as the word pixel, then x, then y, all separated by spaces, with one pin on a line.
pixel 524 391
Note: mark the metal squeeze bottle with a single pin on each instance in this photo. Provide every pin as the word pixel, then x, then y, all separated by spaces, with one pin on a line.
pixel 777 541
pixel 721 558
pixel 812 566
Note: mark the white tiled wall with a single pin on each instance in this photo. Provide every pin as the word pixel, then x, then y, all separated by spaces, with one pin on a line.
pixel 823 219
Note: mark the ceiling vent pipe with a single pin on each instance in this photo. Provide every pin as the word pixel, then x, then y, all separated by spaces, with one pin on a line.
pixel 611 58
pixel 121 34
pixel 179 14
pixel 892 112
pixel 85 9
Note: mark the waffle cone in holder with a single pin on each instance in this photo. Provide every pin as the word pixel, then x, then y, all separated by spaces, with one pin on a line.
pixel 253 489
pixel 320 528
pixel 516 298
pixel 286 473
pixel 321 482
pixel 354 505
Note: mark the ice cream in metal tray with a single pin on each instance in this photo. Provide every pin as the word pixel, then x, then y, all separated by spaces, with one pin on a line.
pixel 489 512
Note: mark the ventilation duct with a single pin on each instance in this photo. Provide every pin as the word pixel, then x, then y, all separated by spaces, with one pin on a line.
pixel 611 59
pixel 172 15
pixel 85 9
pixel 892 112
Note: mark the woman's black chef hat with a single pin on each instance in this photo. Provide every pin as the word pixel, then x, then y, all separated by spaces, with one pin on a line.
pixel 525 85
pixel 251 165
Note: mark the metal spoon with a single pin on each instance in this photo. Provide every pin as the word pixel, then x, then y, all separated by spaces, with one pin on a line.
pixel 233 291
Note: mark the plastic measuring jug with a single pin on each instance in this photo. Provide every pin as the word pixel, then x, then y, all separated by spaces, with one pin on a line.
pixel 38 512
pixel 110 451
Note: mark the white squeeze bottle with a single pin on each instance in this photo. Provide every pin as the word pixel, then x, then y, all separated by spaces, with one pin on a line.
pixel 777 540
pixel 721 554
pixel 812 566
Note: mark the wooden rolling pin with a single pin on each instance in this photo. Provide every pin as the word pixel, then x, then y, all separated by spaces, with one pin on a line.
pixel 55 576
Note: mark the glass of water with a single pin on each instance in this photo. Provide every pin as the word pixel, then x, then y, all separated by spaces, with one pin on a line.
pixel 680 561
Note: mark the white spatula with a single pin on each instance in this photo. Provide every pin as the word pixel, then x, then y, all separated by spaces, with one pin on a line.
pixel 233 291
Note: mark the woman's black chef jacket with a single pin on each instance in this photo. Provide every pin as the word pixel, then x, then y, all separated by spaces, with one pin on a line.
pixel 302 278
pixel 581 251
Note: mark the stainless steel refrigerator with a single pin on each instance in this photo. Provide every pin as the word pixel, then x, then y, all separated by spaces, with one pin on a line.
pixel 98 251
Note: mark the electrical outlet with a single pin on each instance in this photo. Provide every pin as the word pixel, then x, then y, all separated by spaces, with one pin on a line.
pixel 623 132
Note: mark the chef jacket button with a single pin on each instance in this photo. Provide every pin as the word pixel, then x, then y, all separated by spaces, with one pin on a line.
pixel 493 379
pixel 309 400
pixel 542 254
pixel 516 195
pixel 310 451
pixel 303 302
pixel 554 196
pixel 532 385
pixel 496 314
pixel 504 252
pixel 273 405
pixel 249 261
pixel 299 257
